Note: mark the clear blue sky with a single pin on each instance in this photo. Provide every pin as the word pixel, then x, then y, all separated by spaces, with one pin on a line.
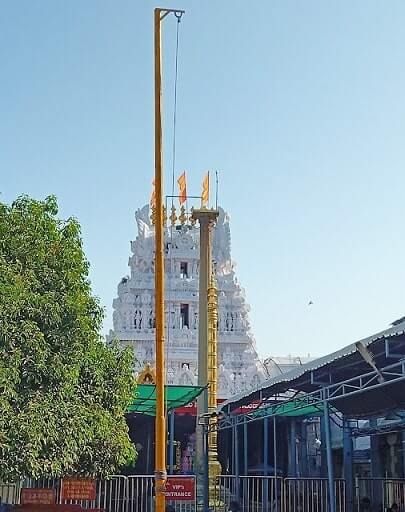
pixel 299 105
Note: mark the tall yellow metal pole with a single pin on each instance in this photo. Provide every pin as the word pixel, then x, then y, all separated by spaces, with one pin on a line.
pixel 160 421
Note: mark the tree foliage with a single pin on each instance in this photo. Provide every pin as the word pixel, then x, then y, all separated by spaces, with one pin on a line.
pixel 63 392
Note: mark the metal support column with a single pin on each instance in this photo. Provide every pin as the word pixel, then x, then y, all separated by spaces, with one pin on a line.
pixel 293 449
pixel 206 499
pixel 275 462
pixel 265 462
pixel 235 441
pixel 171 442
pixel 265 445
pixel 324 465
pixel 376 465
pixel 348 463
pixel 245 448
pixel 304 466
pixel 403 452
pixel 329 457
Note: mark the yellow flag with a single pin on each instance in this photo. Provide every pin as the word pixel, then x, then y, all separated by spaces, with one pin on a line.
pixel 182 188
pixel 153 195
pixel 205 190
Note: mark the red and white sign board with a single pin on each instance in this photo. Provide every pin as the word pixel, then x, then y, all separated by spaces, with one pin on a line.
pixel 78 489
pixel 191 408
pixel 37 496
pixel 180 488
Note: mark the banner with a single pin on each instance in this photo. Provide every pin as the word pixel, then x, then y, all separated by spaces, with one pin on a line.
pixel 78 489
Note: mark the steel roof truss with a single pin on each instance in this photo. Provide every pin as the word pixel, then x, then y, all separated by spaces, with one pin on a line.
pixel 393 373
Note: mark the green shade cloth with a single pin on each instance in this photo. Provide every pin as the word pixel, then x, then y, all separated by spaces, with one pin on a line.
pixel 294 408
pixel 144 399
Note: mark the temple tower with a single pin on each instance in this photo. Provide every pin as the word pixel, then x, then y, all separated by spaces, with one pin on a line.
pixel 134 319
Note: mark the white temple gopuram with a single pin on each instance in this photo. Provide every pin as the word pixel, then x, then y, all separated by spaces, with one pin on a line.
pixel 134 317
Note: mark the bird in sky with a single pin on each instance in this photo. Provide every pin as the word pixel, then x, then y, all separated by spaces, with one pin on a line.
pixel 310 303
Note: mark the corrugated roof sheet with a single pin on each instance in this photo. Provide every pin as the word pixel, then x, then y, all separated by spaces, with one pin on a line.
pixel 316 364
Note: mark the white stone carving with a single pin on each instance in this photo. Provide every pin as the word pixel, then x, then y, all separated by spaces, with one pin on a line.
pixel 134 309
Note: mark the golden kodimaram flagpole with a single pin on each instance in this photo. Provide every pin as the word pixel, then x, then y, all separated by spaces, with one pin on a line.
pixel 160 421
pixel 214 466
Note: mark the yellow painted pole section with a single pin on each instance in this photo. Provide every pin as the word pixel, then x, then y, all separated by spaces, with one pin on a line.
pixel 160 421
pixel 214 467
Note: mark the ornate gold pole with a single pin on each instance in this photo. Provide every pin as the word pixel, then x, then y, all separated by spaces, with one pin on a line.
pixel 206 218
pixel 214 467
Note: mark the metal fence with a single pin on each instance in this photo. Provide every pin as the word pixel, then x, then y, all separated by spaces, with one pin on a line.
pixel 394 492
pixel 10 493
pixel 382 492
pixel 111 494
pixel 117 494
pixel 253 493
pixel 312 495
pixel 140 496
pixel 270 494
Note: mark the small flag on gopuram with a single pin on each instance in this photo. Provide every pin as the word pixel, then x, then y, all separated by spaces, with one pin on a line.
pixel 182 188
pixel 205 190
pixel 153 195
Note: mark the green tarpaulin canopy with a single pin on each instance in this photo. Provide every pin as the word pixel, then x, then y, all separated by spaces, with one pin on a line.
pixel 144 399
pixel 290 409
pixel 294 408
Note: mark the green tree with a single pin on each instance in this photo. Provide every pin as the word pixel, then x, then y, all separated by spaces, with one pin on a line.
pixel 63 392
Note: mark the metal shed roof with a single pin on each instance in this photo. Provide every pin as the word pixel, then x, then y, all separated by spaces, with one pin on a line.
pixel 339 365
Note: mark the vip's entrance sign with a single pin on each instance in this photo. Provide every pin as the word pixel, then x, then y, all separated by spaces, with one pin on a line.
pixel 180 488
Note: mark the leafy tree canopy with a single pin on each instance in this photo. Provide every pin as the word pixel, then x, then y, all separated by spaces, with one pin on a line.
pixel 63 392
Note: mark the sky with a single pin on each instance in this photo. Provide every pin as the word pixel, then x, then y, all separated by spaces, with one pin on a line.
pixel 299 106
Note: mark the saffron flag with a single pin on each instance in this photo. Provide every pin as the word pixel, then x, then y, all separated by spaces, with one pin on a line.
pixel 153 195
pixel 182 188
pixel 205 190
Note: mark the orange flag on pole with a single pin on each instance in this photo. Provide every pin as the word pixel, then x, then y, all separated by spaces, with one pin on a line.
pixel 205 190
pixel 153 195
pixel 182 188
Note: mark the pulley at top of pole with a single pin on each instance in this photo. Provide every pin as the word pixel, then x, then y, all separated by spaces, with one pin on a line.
pixel 177 12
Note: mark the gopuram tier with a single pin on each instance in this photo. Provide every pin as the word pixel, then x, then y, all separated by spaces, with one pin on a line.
pixel 134 313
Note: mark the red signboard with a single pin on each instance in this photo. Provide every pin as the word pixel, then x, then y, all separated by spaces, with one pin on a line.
pixel 191 408
pixel 180 488
pixel 246 408
pixel 78 489
pixel 37 496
